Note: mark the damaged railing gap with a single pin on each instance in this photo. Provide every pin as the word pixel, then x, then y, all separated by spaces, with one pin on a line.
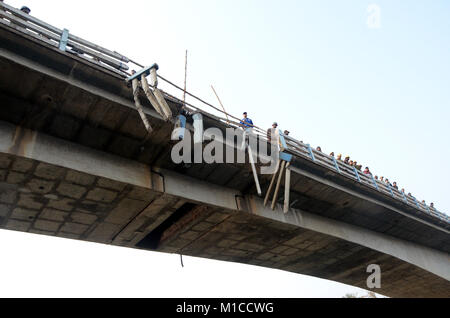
pixel 155 97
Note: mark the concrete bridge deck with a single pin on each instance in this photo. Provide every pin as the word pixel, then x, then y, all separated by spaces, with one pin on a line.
pixel 76 162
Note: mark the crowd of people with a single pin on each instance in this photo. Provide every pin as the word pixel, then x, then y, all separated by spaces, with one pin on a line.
pixel 367 171
pixel 247 123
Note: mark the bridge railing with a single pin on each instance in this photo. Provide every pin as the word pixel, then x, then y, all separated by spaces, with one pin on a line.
pixel 298 148
pixel 62 39
pixel 118 63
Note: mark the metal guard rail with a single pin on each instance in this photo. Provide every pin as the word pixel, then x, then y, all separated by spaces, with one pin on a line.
pixel 62 39
pixel 298 148
pixel 117 63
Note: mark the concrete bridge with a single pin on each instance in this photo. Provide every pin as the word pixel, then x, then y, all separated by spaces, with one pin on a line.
pixel 77 162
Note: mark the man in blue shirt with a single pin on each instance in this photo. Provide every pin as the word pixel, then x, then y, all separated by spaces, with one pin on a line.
pixel 246 122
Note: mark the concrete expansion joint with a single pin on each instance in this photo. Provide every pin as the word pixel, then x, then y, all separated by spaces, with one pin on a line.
pixel 241 202
pixel 154 185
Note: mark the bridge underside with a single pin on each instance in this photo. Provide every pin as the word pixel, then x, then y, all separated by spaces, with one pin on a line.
pixel 42 198
pixel 75 162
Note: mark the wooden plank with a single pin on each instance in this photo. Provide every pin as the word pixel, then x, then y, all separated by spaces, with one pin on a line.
pixel 277 189
pixel 255 173
pixel 272 183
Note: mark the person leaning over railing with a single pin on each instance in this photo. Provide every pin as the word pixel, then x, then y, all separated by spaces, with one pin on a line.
pixel 246 122
pixel 382 179
pixel 368 172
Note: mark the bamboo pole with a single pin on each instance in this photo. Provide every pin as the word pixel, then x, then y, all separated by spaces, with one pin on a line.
pixel 220 102
pixel 255 174
pixel 272 183
pixel 277 189
pixel 185 79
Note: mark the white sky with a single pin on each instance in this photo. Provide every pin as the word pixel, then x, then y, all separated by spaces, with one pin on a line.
pixel 380 95
pixel 39 266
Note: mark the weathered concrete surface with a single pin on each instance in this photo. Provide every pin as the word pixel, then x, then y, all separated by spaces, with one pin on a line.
pixel 245 238
pixel 76 162
pixel 41 198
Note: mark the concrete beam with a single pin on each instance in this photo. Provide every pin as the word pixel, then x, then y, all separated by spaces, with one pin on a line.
pixel 69 79
pixel 363 197
pixel 18 141
pixel 199 191
pixel 15 140
pixel 25 143
pixel 429 259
